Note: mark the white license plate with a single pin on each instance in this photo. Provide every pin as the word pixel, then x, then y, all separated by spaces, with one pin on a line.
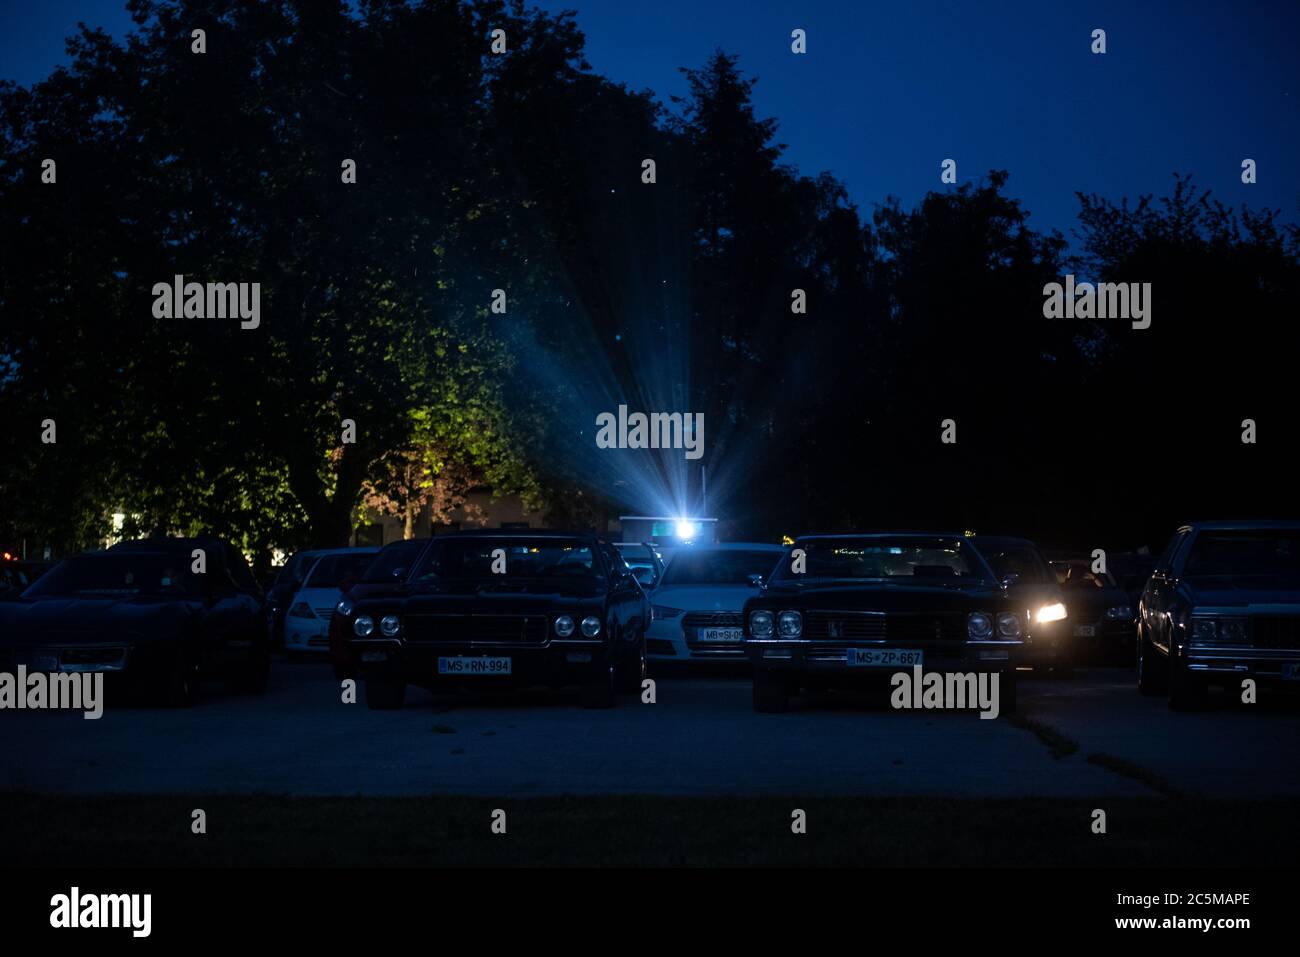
pixel 1291 670
pixel 884 657
pixel 1085 631
pixel 720 634
pixel 473 666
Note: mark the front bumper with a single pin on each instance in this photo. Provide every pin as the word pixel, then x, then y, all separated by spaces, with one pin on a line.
pixel 306 634
pixel 669 639
pixel 832 659
pixel 1268 665
pixel 558 662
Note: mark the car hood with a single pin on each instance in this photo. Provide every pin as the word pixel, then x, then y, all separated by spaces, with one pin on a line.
pixel 92 620
pixel 1242 596
pixel 488 599
pixel 318 597
pixel 704 597
pixel 882 597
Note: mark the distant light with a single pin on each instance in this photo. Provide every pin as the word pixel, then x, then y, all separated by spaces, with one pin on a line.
pixel 787 540
pixel 686 529
pixel 618 337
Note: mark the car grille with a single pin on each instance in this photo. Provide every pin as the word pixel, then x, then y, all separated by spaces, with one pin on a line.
pixel 876 626
pixel 722 619
pixel 485 629
pixel 1276 632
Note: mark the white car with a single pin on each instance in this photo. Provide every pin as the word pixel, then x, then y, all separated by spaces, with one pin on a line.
pixel 696 610
pixel 307 624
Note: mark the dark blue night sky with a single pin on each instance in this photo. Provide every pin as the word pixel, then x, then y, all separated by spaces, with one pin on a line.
pixel 887 91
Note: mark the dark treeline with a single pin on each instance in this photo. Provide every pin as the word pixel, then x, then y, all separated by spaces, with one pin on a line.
pixel 523 172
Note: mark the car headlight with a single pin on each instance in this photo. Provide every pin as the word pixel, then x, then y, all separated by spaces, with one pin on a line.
pixel 789 624
pixel 564 626
pixel 1232 629
pixel 364 626
pixel 390 625
pixel 1053 612
pixel 1008 624
pixel 760 624
pixel 660 612
pixel 345 606
pixel 979 625
pixel 590 626
pixel 301 610
pixel 1119 613
pixel 1204 629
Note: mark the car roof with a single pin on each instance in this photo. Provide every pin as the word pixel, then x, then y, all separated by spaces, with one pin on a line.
pixel 1243 524
pixel 730 547
pixel 517 533
pixel 852 535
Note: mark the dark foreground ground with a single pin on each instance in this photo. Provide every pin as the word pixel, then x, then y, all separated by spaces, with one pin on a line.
pixel 297 778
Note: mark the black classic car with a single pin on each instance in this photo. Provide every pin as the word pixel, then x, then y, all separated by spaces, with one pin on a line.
pixel 1222 605
pixel 139 613
pixel 1102 614
pixel 847 609
pixel 499 607
pixel 1025 573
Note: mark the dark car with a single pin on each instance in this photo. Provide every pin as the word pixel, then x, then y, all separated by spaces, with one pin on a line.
pixel 280 595
pixel 645 560
pixel 139 613
pixel 868 605
pixel 1025 573
pixel 385 575
pixel 1103 615
pixel 494 607
pixel 13 576
pixel 1222 605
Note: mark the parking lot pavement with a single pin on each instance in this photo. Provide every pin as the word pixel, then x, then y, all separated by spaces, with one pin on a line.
pixel 701 737
pixel 1229 750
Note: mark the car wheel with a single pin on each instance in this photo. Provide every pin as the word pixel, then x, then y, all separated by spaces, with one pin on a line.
pixel 1008 692
pixel 1153 670
pixel 771 691
pixel 179 691
pixel 630 676
pixel 385 694
pixel 599 691
pixel 1187 692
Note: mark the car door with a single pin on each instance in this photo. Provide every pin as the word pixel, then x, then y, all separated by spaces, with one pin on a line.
pixel 627 600
pixel 1157 599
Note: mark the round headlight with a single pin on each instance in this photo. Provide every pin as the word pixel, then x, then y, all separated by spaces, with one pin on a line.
pixel 979 625
pixel 591 626
pixel 390 625
pixel 1052 612
pixel 789 624
pixel 760 624
pixel 364 626
pixel 1008 624
pixel 1232 630
pixel 345 606
pixel 564 626
pixel 1203 628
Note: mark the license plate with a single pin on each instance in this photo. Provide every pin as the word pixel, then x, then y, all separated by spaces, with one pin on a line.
pixel 1291 670
pixel 884 657
pixel 473 666
pixel 720 634
pixel 1085 631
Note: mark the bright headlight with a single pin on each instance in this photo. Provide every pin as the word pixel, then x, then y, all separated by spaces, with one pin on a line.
pixel 979 625
pixel 590 626
pixel 389 625
pixel 1053 612
pixel 564 626
pixel 760 624
pixel 790 624
pixel 364 626
pixel 1008 624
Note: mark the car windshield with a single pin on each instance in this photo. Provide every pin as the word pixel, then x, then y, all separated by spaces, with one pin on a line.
pixel 1019 560
pixel 507 558
pixel 297 566
pixel 1247 554
pixel 393 562
pixel 1079 576
pixel 719 566
pixel 120 574
pixel 332 569
pixel 920 561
